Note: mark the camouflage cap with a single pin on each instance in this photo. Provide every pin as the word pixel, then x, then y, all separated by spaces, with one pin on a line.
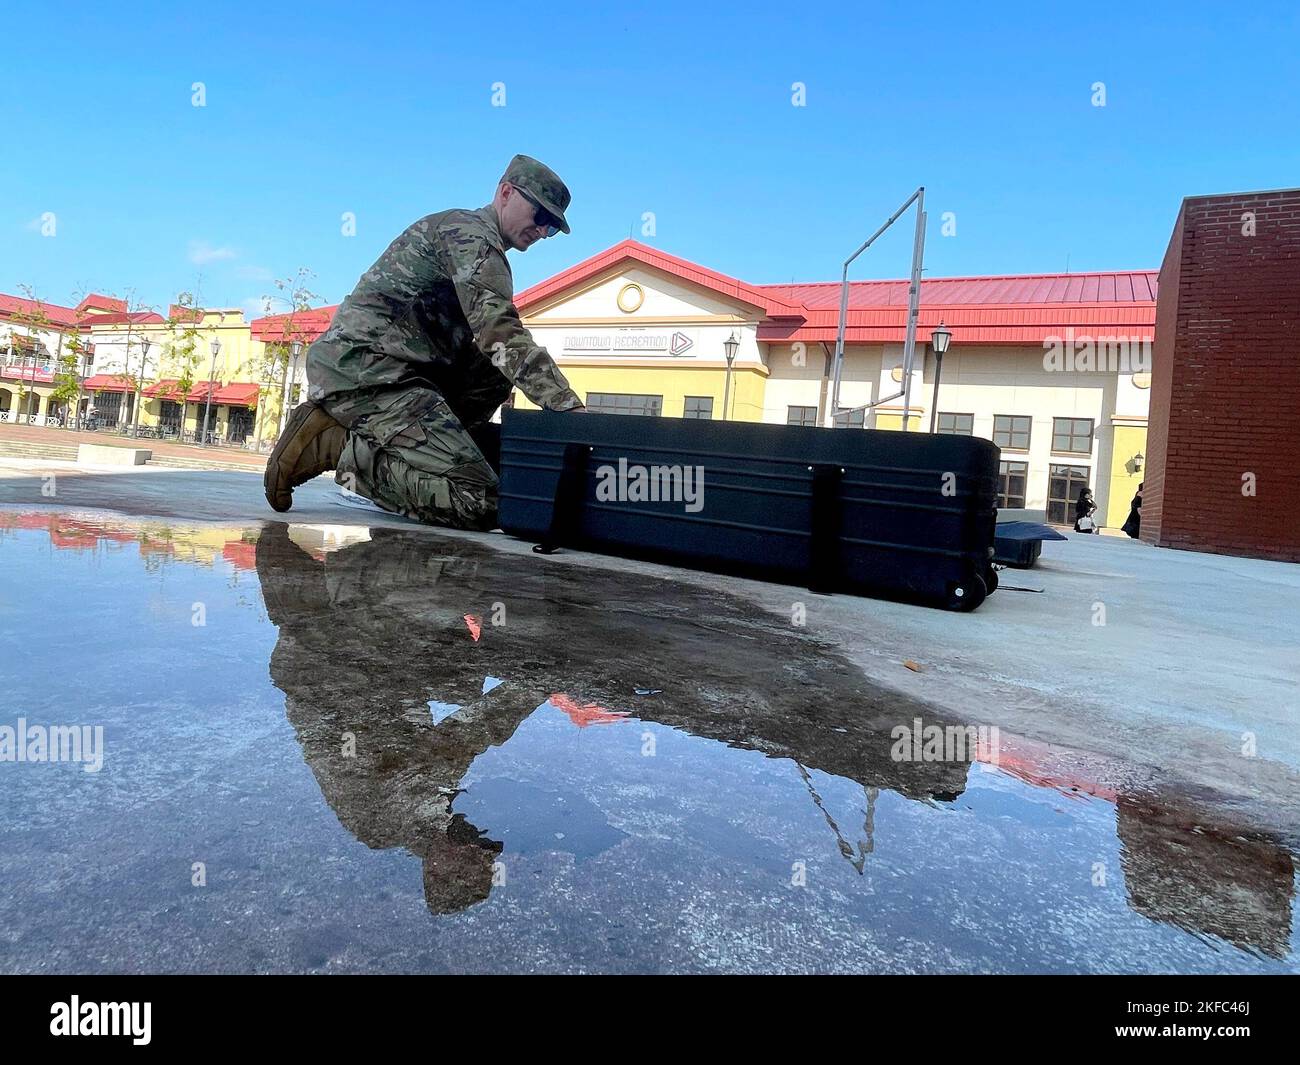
pixel 542 183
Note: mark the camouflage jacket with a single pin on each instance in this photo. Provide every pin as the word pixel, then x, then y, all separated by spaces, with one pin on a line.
pixel 436 310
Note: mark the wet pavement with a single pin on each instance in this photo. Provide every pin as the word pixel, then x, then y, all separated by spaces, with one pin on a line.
pixel 329 748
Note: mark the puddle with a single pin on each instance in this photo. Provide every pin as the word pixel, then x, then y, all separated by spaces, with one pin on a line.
pixel 332 749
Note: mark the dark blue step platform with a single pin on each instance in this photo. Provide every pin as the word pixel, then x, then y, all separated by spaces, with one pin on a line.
pixel 1019 543
pixel 895 515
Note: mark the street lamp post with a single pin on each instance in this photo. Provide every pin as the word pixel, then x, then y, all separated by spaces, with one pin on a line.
pixel 212 373
pixel 731 345
pixel 939 340
pixel 139 382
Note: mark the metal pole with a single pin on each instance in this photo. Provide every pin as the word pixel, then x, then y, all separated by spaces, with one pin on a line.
pixel 726 392
pixel 139 386
pixel 934 403
pixel 844 303
pixel 207 402
pixel 913 304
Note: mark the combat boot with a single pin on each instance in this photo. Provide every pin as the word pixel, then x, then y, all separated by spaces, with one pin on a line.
pixel 310 444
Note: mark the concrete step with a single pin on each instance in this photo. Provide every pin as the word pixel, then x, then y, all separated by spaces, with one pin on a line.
pixel 29 450
pixel 187 463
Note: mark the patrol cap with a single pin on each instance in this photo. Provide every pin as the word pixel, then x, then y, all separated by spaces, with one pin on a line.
pixel 542 183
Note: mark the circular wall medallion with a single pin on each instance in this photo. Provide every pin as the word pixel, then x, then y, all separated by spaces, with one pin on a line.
pixel 630 297
pixel 1141 380
pixel 897 374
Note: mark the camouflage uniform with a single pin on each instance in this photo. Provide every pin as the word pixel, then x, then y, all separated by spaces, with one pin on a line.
pixel 418 358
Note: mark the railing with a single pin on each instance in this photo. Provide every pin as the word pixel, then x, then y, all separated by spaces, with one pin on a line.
pixel 29 419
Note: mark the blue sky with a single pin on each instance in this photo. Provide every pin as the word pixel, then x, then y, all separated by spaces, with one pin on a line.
pixel 684 110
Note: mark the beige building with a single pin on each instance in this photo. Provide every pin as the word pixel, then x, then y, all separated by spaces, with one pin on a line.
pixel 1052 368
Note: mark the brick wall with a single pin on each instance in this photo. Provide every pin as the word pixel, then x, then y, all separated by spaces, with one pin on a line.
pixel 1225 388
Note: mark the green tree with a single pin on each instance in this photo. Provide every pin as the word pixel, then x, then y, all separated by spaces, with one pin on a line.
pixel 35 322
pixel 295 294
pixel 135 310
pixel 67 378
pixel 181 353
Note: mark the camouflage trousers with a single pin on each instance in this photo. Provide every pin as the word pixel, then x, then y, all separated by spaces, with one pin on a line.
pixel 408 452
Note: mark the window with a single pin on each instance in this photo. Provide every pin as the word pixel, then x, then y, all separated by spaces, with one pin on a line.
pixel 956 424
pixel 854 419
pixel 1012 430
pixel 698 407
pixel 239 426
pixel 1011 484
pixel 169 418
pixel 1062 490
pixel 801 416
pixel 108 405
pixel 1072 435
pixel 623 403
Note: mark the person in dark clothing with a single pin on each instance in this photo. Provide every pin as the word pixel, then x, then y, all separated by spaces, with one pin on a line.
pixel 1133 525
pixel 1084 508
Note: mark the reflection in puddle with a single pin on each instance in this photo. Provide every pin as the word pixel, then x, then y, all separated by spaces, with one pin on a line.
pixel 491 716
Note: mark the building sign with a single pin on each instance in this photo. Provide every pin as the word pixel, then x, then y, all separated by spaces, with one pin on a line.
pixel 586 343
pixel 638 341
pixel 629 340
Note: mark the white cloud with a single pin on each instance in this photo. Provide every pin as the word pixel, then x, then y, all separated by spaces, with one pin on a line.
pixel 255 307
pixel 202 253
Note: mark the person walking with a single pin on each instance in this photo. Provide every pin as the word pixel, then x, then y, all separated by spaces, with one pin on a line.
pixel 1084 508
pixel 1133 525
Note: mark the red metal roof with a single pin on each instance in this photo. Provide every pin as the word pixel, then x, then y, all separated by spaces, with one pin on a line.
pixel 60 317
pixel 106 382
pixel 304 326
pixel 1016 309
pixel 101 303
pixel 1005 309
pixel 774 304
pixel 136 317
pixel 1127 286
pixel 178 313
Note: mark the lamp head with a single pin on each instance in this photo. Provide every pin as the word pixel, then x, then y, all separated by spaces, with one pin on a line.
pixel 940 338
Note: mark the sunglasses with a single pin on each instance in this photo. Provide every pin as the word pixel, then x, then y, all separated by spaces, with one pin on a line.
pixel 542 217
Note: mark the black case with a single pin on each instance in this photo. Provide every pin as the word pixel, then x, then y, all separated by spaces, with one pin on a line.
pixel 897 515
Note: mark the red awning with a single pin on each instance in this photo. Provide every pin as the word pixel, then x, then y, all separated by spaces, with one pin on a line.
pixel 168 388
pixel 107 382
pixel 165 388
pixel 237 394
pixel 199 393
